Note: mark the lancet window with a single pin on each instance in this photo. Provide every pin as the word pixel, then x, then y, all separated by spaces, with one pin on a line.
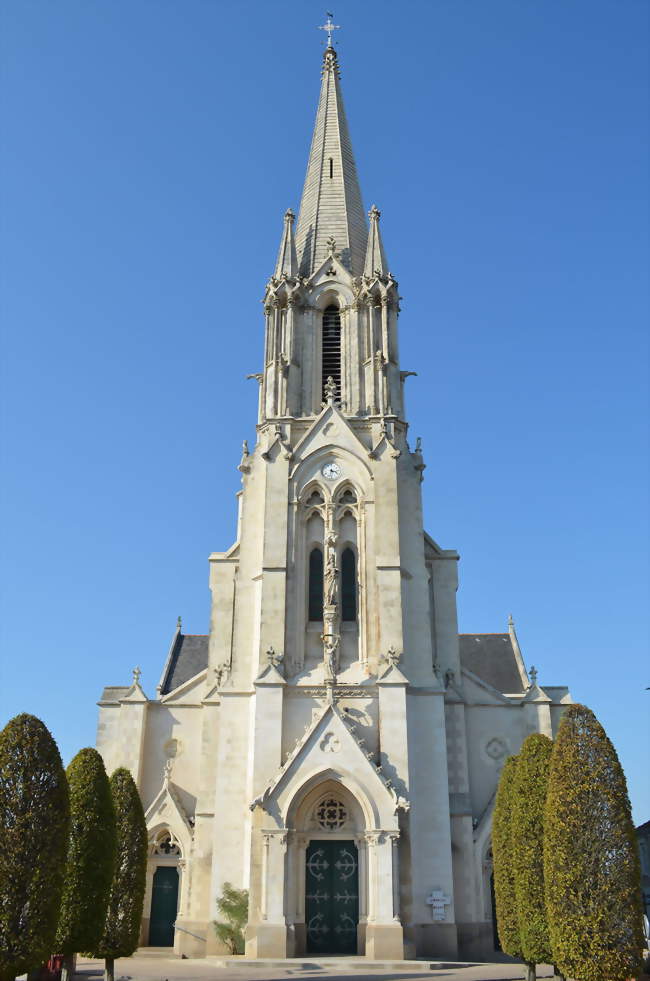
pixel 348 585
pixel 316 584
pixel 331 347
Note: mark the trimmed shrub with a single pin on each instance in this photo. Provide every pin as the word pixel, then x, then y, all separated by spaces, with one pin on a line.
pixel 233 906
pixel 528 805
pixel 122 926
pixel 591 863
pixel 34 823
pixel 91 855
pixel 502 853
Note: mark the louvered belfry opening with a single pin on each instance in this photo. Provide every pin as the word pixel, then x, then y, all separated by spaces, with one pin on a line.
pixel 332 347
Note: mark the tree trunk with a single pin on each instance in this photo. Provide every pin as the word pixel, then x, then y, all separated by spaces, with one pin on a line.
pixel 109 969
pixel 531 972
pixel 557 974
pixel 67 968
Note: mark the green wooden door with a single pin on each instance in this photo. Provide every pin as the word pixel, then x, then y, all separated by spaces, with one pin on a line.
pixel 164 904
pixel 332 897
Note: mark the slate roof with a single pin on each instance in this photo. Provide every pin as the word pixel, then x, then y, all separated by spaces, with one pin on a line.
pixel 189 656
pixel 492 657
pixel 113 693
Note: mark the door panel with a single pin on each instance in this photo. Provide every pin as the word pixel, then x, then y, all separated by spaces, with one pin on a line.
pixel 164 904
pixel 332 897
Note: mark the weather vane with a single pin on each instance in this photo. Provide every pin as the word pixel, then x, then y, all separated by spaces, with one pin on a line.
pixel 329 27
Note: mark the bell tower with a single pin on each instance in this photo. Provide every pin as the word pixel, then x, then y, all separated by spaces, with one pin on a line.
pixel 333 605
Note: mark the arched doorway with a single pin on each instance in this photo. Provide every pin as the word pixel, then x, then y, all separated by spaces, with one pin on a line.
pixel 328 872
pixel 331 883
pixel 164 869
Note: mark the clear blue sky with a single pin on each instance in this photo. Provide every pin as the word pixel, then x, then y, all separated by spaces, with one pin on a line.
pixel 150 151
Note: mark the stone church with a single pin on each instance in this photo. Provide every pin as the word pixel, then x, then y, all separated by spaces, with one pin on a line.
pixel 333 744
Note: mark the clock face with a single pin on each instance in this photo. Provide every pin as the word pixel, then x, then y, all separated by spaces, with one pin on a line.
pixel 331 471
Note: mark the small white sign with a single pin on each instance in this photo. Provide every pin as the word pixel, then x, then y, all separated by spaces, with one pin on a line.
pixel 438 901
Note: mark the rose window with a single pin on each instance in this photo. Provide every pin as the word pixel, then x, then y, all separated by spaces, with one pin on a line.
pixel 331 814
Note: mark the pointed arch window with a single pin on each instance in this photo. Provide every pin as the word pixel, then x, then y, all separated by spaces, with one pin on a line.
pixel 331 359
pixel 348 585
pixel 316 584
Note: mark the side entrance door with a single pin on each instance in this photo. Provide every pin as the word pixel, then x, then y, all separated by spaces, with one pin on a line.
pixel 164 904
pixel 332 897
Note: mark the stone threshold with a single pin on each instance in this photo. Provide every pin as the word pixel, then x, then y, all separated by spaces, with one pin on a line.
pixel 328 964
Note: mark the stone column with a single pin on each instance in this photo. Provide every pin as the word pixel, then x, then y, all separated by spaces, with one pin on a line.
pixel 384 938
pixel 268 936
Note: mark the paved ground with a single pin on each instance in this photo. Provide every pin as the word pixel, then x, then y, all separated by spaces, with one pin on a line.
pixel 142 968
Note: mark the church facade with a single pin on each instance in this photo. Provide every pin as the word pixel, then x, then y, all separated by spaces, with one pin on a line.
pixel 333 745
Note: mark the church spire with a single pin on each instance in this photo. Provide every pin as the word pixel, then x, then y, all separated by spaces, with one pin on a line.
pixel 287 263
pixel 331 199
pixel 375 264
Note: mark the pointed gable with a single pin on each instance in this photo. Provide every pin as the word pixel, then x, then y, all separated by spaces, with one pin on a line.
pixel 329 742
pixel 331 428
pixel 331 199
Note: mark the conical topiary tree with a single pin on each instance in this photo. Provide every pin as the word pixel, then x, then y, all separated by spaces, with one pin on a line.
pixel 504 880
pixel 591 864
pixel 34 820
pixel 91 855
pixel 124 913
pixel 527 828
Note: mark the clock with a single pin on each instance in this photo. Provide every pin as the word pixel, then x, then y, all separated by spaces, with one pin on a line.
pixel 331 471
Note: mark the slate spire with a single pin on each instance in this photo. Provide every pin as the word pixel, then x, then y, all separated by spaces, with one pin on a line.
pixel 331 199
pixel 287 263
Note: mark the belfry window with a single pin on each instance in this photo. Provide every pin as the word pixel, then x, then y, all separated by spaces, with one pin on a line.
pixel 332 347
pixel 348 585
pixel 315 584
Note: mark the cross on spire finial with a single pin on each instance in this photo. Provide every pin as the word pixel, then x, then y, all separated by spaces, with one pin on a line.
pixel 329 27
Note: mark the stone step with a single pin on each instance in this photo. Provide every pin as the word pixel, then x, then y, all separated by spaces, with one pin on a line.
pixel 326 964
pixel 155 952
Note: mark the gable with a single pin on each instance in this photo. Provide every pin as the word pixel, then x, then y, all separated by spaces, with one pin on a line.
pixel 330 750
pixel 330 431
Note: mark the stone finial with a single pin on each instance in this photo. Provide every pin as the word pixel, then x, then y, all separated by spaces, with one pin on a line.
pixel 418 445
pixel 167 770
pixel 289 216
pixel 331 248
pixel 532 674
pixel 374 214
pixel 511 622
pixel 136 676
pixel 274 658
pixel 179 624
pixel 393 657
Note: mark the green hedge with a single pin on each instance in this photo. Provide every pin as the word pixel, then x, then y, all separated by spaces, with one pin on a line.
pixel 91 854
pixel 591 864
pixel 33 842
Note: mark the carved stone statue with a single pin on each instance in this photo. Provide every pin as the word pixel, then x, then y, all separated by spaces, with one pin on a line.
pixel 329 657
pixel 331 580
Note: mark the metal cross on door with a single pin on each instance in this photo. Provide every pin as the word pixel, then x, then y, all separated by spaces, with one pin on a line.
pixel 332 897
